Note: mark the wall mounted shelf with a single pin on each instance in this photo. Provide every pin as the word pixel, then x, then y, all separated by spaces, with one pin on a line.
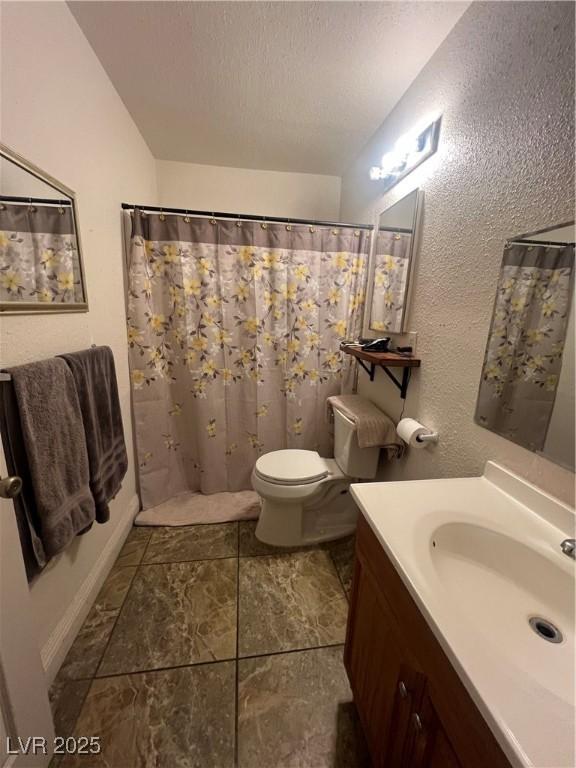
pixel 385 360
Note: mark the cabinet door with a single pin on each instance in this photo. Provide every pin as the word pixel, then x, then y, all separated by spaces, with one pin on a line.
pixel 381 679
pixel 389 642
pixel 427 743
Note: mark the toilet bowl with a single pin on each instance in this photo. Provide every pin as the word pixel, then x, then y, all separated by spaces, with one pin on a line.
pixel 305 498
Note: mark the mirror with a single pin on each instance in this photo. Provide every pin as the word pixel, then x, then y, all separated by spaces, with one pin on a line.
pixel 526 389
pixel 390 267
pixel 40 259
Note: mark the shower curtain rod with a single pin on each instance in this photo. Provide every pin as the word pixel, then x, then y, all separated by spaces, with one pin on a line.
pixel 544 243
pixel 39 200
pixel 244 216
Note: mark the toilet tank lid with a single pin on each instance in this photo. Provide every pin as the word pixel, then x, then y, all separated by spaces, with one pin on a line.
pixel 292 466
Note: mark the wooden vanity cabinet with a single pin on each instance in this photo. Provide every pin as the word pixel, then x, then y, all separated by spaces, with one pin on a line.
pixel 415 711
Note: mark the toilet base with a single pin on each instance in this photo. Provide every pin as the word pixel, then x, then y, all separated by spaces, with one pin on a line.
pixel 290 524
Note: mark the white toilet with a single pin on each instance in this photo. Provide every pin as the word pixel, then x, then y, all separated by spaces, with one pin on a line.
pixel 305 498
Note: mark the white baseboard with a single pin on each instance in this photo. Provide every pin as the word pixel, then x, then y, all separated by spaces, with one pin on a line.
pixel 58 644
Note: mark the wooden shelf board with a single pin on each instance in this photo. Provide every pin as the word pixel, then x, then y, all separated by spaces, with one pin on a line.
pixel 389 359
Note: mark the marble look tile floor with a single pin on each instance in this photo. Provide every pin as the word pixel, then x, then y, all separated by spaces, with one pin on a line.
pixel 207 648
pixel 299 596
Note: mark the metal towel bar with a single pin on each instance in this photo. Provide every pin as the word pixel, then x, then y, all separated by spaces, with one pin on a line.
pixel 7 377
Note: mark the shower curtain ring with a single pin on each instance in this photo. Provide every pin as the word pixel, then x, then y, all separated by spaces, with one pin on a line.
pixel 162 217
pixel 264 225
pixel 213 219
pixel 186 217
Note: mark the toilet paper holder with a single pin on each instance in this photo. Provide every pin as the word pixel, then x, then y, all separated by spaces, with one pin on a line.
pixel 415 433
pixel 431 437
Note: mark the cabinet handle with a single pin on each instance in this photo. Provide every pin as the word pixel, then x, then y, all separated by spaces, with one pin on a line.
pixel 402 689
pixel 416 722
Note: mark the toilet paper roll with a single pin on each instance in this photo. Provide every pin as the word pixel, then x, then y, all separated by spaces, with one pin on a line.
pixel 409 429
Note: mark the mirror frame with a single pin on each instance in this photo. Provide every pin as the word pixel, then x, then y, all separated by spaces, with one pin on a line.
pixel 29 307
pixel 370 333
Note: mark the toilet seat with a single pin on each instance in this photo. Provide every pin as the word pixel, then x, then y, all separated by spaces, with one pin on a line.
pixel 291 467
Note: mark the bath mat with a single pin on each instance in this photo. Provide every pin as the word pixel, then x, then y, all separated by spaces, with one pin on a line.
pixel 195 508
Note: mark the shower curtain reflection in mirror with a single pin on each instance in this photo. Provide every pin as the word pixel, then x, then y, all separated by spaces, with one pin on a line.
pixel 524 360
pixel 391 265
pixel 39 255
pixel 40 251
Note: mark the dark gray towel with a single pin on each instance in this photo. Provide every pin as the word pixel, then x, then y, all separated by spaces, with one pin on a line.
pixel 55 445
pixel 29 528
pixel 95 377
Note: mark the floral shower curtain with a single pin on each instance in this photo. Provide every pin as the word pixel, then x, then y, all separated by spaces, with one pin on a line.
pixel 390 275
pixel 38 254
pixel 524 352
pixel 234 331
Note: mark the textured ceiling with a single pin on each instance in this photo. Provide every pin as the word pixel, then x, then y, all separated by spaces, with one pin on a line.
pixel 293 86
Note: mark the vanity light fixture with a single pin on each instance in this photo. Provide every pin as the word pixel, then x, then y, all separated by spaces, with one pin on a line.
pixel 409 151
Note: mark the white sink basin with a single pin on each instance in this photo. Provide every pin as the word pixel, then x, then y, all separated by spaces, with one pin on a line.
pixel 481 557
pixel 499 584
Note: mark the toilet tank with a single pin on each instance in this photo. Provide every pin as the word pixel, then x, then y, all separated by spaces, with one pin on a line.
pixel 353 460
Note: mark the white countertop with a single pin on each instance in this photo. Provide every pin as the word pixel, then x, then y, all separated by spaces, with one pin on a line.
pixel 480 556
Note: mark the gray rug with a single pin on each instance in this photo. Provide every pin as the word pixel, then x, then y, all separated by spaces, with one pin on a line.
pixel 195 508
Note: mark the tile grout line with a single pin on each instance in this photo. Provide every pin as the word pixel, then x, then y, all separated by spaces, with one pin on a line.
pixel 224 557
pixel 192 560
pixel 339 577
pixel 154 528
pixel 138 566
pixel 213 661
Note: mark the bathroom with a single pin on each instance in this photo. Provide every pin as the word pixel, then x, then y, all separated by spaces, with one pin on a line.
pixel 250 158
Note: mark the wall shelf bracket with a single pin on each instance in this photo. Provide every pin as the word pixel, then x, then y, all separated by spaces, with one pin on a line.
pixel 370 371
pixel 402 385
pixel 385 360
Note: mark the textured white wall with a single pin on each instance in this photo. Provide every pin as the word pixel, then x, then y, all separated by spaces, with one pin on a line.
pixel 243 190
pixel 60 111
pixel 503 80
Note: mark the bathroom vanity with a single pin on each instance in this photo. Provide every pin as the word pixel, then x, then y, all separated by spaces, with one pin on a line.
pixel 445 669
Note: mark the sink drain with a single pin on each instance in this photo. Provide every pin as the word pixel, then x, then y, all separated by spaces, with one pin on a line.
pixel 545 629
